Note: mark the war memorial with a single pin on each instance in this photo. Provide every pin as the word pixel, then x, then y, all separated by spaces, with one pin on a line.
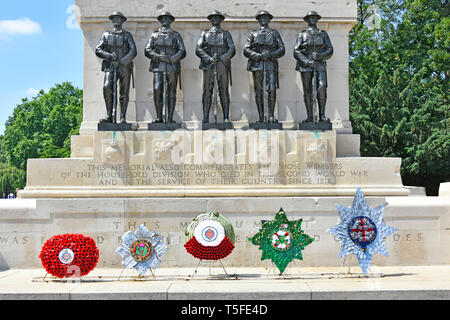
pixel 229 107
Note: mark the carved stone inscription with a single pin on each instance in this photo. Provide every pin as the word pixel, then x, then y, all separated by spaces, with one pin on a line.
pixel 205 174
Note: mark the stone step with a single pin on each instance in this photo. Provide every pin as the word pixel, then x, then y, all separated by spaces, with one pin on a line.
pixel 392 283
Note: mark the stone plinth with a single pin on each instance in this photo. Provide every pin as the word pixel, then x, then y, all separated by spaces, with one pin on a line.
pixel 444 189
pixel 338 19
pixel 212 163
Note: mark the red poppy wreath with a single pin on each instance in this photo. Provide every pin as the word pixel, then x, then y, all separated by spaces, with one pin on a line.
pixel 210 236
pixel 69 255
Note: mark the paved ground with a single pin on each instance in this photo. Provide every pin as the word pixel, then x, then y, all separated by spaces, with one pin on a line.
pixel 420 282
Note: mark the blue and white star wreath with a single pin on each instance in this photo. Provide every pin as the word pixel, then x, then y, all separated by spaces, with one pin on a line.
pixel 362 230
pixel 141 250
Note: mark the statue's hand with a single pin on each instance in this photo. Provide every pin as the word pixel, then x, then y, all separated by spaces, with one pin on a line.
pixel 315 56
pixel 164 58
pixel 210 61
pixel 114 56
pixel 215 58
pixel 265 55
pixel 260 57
pixel 312 64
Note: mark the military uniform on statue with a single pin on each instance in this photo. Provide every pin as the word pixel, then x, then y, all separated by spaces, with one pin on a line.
pixel 215 48
pixel 165 49
pixel 117 49
pixel 264 46
pixel 311 51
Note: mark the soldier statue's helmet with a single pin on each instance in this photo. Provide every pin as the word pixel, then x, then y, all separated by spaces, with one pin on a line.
pixel 216 13
pixel 166 14
pixel 312 14
pixel 263 13
pixel 117 14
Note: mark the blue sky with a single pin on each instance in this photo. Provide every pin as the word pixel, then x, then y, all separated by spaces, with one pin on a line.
pixel 38 48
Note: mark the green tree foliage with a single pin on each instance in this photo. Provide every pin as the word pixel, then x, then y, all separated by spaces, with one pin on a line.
pixel 2 152
pixel 11 178
pixel 399 72
pixel 42 127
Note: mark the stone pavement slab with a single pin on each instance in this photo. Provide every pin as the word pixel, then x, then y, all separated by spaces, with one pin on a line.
pixel 392 283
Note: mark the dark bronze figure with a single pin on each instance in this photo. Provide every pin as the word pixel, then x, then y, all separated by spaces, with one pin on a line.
pixel 264 46
pixel 312 49
pixel 117 49
pixel 215 48
pixel 165 49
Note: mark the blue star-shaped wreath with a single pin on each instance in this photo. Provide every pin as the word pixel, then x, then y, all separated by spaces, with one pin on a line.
pixel 141 250
pixel 362 230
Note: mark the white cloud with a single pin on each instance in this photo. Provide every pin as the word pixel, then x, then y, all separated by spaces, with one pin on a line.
pixel 32 91
pixel 19 26
pixel 73 21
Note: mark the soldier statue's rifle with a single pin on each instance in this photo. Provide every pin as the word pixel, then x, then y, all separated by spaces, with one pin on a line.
pixel 115 67
pixel 265 106
pixel 315 105
pixel 165 111
pixel 314 86
pixel 215 87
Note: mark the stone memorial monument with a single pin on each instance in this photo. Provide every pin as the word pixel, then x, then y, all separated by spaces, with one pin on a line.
pixel 116 180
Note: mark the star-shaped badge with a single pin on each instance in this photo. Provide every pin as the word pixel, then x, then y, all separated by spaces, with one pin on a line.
pixel 362 231
pixel 281 240
pixel 141 250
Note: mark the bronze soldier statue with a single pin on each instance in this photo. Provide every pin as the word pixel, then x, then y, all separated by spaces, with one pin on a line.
pixel 117 49
pixel 165 49
pixel 264 46
pixel 311 51
pixel 215 48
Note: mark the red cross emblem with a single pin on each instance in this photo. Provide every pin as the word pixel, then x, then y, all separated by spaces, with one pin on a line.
pixel 362 231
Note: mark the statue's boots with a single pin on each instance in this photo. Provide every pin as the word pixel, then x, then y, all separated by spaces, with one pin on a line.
pixel 271 101
pixel 159 114
pixel 309 109
pixel 172 103
pixel 123 109
pixel 225 103
pixel 109 110
pixel 260 105
pixel 157 99
pixel 322 101
pixel 206 108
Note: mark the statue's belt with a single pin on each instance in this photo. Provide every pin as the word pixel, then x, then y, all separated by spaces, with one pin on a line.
pixel 216 50
pixel 264 47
